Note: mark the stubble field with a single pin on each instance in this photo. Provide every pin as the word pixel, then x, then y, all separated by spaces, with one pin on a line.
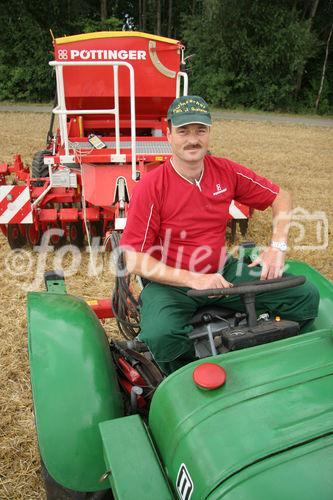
pixel 299 158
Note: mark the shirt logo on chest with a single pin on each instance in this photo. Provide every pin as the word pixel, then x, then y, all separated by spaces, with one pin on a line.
pixel 219 190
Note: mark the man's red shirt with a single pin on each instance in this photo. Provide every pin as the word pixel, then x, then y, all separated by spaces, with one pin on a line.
pixel 184 224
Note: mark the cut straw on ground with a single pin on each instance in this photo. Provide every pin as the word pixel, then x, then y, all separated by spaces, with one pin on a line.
pixel 299 158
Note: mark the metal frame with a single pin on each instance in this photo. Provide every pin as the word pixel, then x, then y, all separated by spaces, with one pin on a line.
pixel 61 110
pixel 182 75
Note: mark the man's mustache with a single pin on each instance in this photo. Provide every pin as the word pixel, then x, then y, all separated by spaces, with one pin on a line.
pixel 193 146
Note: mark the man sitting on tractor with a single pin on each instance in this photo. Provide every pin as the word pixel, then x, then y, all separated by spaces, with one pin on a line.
pixel 175 238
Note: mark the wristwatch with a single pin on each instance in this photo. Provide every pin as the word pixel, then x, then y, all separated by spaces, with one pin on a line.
pixel 280 245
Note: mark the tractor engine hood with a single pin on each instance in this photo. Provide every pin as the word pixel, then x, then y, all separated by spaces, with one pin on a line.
pixel 268 429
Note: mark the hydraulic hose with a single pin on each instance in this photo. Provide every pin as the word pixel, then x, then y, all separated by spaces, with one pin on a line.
pixel 124 305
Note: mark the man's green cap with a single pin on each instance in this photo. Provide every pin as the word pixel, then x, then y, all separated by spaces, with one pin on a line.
pixel 189 109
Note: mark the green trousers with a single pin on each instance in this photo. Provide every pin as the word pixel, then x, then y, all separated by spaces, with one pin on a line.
pixel 166 310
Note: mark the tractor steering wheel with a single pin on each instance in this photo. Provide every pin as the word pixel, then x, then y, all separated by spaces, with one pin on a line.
pixel 257 286
pixel 248 291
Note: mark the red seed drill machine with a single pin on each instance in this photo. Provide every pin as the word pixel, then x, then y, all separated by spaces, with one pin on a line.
pixel 113 93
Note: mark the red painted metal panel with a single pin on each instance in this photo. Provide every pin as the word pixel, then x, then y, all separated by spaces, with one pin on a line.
pixel 92 213
pixel 21 215
pixel 100 182
pixel 102 308
pixel 47 215
pixel 69 214
pixel 14 192
pixel 92 87
pixel 244 208
pixel 15 205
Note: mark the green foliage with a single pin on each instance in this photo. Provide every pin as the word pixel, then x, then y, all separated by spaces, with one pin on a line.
pixel 264 54
pixel 254 58
pixel 310 93
pixel 25 73
pixel 26 43
pixel 92 25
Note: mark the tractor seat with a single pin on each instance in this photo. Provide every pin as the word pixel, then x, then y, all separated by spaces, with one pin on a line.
pixel 207 314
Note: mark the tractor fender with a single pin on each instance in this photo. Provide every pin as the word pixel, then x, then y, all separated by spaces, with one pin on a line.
pixel 74 387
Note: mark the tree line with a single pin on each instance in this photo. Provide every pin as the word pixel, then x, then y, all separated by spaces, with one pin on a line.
pixel 264 54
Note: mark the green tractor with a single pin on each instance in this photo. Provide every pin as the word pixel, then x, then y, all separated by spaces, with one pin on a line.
pixel 251 419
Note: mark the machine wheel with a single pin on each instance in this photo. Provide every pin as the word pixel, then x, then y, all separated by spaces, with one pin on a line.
pixel 15 238
pixel 75 234
pixel 38 169
pixel 95 229
pixel 55 491
pixel 33 235
pixel 57 240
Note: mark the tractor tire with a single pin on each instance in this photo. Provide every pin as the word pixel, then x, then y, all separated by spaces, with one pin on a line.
pixel 75 234
pixel 55 491
pixel 15 238
pixel 38 169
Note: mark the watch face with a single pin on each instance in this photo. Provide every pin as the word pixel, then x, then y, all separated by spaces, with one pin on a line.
pixel 281 245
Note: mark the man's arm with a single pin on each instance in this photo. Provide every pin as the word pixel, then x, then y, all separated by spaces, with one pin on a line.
pixel 150 268
pixel 272 259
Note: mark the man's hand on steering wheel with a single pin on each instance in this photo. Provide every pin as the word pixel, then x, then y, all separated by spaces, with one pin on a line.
pixel 272 262
pixel 208 281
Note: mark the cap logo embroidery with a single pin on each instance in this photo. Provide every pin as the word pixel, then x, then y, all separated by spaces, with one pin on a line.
pixel 190 106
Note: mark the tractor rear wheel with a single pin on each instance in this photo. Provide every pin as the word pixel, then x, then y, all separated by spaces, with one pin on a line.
pixel 15 238
pixel 55 491
pixel 38 168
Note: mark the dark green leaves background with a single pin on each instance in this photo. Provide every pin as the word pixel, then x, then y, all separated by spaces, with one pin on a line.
pixel 261 54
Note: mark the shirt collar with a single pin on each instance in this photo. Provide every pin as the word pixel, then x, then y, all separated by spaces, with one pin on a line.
pixel 195 182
